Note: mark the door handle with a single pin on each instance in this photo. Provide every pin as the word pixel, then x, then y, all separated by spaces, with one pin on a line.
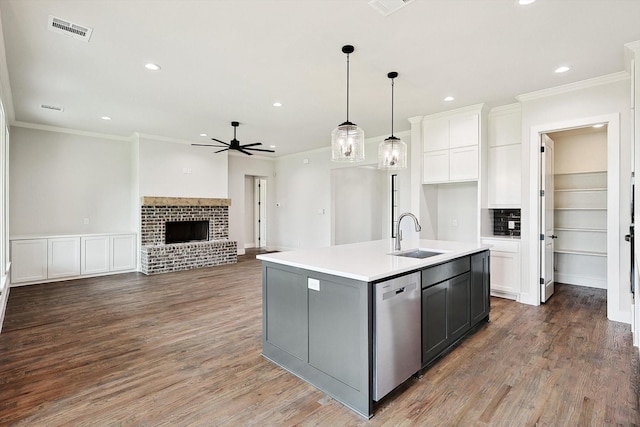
pixel 627 237
pixel 553 236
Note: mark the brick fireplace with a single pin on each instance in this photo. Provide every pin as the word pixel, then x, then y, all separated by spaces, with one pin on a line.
pixel 158 257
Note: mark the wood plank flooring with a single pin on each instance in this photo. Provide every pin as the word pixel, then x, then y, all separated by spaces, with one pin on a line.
pixel 183 349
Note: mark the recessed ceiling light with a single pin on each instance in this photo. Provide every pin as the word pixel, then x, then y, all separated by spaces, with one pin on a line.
pixel 599 125
pixel 272 146
pixel 152 67
pixel 449 98
pixel 526 2
pixel 203 134
pixel 562 69
pixel 105 118
pixel 277 104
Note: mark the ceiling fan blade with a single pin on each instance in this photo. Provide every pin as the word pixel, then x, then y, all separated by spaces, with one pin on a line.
pixel 220 151
pixel 261 149
pixel 221 142
pixel 251 145
pixel 210 145
pixel 243 151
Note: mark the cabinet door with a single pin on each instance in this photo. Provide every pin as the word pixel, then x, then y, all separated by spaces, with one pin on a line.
pixel 504 176
pixel 459 316
pixel 285 312
pixel 434 320
pixel 94 258
pixel 335 329
pixel 28 260
pixel 503 271
pixel 123 252
pixel 63 257
pixel 464 131
pixel 435 134
pixel 463 164
pixel 436 167
pixel 480 290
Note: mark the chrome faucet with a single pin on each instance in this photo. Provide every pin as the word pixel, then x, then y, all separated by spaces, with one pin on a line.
pixel 399 232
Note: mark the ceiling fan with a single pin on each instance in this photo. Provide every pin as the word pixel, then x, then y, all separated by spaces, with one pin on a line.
pixel 234 144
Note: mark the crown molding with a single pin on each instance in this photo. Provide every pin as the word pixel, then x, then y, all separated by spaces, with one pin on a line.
pixel 72 131
pixel 571 87
pixel 506 109
pixel 475 108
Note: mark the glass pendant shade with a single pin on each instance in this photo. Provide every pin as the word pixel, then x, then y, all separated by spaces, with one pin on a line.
pixel 392 154
pixel 347 140
pixel 347 143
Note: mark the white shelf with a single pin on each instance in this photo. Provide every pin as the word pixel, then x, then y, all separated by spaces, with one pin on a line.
pixel 580 209
pixel 576 252
pixel 579 190
pixel 589 230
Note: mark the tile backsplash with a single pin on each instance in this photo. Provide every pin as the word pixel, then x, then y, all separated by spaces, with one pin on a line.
pixel 506 222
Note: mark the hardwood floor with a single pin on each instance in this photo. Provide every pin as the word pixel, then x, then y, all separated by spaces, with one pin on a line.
pixel 183 349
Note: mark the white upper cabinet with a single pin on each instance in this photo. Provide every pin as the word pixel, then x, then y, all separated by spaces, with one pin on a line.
pixel 451 146
pixel 505 157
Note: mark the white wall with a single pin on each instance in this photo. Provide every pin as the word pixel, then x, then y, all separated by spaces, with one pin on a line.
pixel 303 190
pixel 58 179
pixel 176 169
pixel 545 112
pixel 242 167
pixel 357 194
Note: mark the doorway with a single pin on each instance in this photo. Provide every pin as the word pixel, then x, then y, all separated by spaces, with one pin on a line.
pixel 255 212
pixel 612 234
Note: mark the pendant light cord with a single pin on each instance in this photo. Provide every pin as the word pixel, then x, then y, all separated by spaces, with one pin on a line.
pixel 347 88
pixel 392 83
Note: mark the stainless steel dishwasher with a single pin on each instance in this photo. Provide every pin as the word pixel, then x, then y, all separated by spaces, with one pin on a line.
pixel 396 333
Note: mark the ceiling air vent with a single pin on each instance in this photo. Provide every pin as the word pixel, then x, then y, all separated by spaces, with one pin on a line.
pixel 387 7
pixel 67 28
pixel 51 107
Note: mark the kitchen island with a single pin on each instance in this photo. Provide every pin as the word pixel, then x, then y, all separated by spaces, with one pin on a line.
pixel 323 322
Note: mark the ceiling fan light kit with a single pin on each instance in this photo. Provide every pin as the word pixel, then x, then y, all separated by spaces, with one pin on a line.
pixel 347 140
pixel 234 144
pixel 392 152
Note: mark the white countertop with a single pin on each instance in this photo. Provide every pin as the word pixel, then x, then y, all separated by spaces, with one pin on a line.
pixel 370 261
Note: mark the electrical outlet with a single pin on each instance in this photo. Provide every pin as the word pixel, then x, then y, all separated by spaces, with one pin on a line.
pixel 85 221
pixel 454 222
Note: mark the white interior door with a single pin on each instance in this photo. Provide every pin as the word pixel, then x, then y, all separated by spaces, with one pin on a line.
pixel 546 220
pixel 260 213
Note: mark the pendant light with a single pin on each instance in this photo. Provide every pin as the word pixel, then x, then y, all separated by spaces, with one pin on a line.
pixel 392 152
pixel 347 140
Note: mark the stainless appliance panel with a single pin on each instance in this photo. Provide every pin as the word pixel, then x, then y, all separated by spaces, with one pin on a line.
pixel 396 332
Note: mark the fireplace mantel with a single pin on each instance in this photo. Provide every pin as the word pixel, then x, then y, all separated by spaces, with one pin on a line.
pixel 184 201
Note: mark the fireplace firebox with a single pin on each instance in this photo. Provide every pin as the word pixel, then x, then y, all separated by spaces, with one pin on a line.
pixel 186 231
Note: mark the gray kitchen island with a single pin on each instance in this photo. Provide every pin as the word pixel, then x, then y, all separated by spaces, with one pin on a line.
pixel 357 320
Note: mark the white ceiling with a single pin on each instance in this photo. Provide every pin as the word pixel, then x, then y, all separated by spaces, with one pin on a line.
pixel 225 60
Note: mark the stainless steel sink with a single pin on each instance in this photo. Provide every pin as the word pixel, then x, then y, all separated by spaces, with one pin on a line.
pixel 418 253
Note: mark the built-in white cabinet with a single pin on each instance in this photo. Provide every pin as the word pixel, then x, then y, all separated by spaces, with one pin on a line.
pixel 63 257
pixel 505 267
pixel 580 223
pixel 123 252
pixel 505 157
pixel 37 260
pixel 95 254
pixel 28 260
pixel 451 146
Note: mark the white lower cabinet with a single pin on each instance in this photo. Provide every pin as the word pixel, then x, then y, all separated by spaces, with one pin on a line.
pixel 95 254
pixel 123 252
pixel 28 260
pixel 63 257
pixel 505 267
pixel 37 260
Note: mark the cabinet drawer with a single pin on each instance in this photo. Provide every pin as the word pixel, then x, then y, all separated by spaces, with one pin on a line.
pixel 439 273
pixel 502 245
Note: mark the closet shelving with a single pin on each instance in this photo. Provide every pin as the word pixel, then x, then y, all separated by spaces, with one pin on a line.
pixel 580 222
